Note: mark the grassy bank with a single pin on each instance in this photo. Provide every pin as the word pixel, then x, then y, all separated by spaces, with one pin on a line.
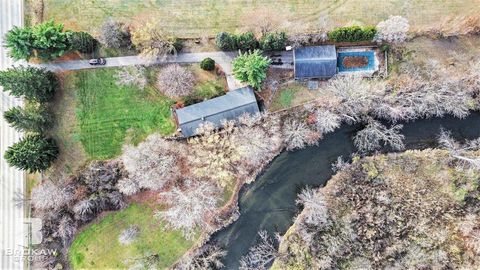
pixel 97 246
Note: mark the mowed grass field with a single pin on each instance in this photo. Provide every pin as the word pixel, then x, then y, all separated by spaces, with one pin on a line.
pixel 96 117
pixel 97 246
pixel 108 114
pixel 197 18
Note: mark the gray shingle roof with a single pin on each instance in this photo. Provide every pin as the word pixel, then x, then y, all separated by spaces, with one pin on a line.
pixel 229 107
pixel 315 62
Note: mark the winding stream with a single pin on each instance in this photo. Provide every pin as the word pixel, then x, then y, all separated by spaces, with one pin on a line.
pixel 269 202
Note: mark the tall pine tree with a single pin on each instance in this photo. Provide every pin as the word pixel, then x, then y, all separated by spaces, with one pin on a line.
pixel 34 118
pixel 35 84
pixel 33 153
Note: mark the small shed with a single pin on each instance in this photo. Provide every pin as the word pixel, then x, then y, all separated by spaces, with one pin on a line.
pixel 227 107
pixel 315 62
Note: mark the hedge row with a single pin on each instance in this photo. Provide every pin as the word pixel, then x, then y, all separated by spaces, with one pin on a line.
pixel 352 34
pixel 276 41
pixel 247 41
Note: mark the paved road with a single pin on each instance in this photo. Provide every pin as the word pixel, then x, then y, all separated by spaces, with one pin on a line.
pixel 224 59
pixel 11 180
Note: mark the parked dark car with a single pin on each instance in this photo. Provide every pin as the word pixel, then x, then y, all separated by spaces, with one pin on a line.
pixel 97 61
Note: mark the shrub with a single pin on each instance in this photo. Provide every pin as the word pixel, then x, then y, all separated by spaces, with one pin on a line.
pixel 352 34
pixel 273 41
pixel 207 64
pixel 251 68
pixel 82 42
pixel 246 42
pixel 32 118
pixel 35 84
pixel 33 153
pixel 48 40
pixel 129 235
pixel 225 41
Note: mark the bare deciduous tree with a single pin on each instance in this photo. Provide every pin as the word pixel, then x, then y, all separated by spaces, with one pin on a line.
pixel 462 152
pixel 152 41
pixel 128 186
pixel 84 209
pixel 150 165
pixel 132 76
pixel 50 196
pixel 374 135
pixel 393 30
pixel 207 257
pixel 66 230
pixel 326 121
pixel 356 95
pixel 189 206
pixel 255 144
pixel 315 208
pixel 175 81
pixel 261 255
pixel 214 153
pixel 115 34
pixel 297 135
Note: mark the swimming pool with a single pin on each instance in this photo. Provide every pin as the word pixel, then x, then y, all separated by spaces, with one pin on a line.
pixel 370 55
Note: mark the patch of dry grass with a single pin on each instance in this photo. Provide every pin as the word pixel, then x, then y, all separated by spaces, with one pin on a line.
pixel 197 18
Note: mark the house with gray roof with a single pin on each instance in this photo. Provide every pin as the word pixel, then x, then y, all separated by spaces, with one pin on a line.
pixel 227 107
pixel 315 62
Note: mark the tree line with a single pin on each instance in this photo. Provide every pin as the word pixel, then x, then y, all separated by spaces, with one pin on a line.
pixel 36 151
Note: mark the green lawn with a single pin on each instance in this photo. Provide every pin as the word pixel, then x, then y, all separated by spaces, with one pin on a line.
pixel 196 18
pixel 97 246
pixel 292 94
pixel 107 114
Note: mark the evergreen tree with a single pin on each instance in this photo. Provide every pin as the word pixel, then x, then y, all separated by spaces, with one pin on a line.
pixel 19 41
pixel 251 68
pixel 273 42
pixel 225 41
pixel 33 153
pixel 35 84
pixel 50 41
pixel 35 118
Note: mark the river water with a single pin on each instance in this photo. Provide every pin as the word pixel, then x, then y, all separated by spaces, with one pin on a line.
pixel 269 203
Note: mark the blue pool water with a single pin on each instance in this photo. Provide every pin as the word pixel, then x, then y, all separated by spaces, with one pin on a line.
pixel 369 54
